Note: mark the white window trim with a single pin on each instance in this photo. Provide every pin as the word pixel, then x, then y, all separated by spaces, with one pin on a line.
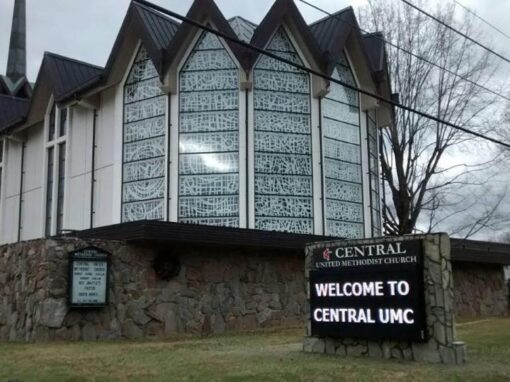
pixel 380 185
pixel 55 143
pixel 3 143
pixel 118 139
pixel 365 164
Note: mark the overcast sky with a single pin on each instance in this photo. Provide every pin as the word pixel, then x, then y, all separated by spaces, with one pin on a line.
pixel 87 29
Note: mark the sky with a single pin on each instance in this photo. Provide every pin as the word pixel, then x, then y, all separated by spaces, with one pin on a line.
pixel 86 30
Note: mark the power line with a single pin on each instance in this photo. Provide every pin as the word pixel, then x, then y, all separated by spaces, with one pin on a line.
pixel 456 31
pixel 407 51
pixel 482 19
pixel 314 72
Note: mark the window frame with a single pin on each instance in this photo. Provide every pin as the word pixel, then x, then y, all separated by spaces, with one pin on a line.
pixel 59 176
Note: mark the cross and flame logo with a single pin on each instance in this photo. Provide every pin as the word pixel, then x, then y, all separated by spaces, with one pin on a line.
pixel 326 254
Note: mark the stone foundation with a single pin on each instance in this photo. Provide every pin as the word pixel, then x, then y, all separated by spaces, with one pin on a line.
pixel 217 290
pixel 480 290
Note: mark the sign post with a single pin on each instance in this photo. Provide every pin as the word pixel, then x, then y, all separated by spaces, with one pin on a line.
pixel 88 278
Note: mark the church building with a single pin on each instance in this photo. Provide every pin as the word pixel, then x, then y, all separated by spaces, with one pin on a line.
pixel 182 126
pixel 175 189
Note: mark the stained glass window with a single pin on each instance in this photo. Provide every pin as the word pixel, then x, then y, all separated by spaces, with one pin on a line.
pixel 209 136
pixel 343 186
pixel 375 201
pixel 283 148
pixel 143 183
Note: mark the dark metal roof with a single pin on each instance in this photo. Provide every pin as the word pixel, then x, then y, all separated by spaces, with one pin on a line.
pixel 154 29
pixel 374 46
pixel 162 233
pixel 160 27
pixel 331 33
pixel 163 37
pixel 180 233
pixel 20 88
pixel 485 252
pixel 67 74
pixel 12 110
pixel 244 29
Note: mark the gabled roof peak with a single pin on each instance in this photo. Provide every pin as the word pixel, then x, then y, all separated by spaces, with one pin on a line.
pixel 57 56
pixel 243 19
pixel 285 12
pixel 156 13
pixel 334 14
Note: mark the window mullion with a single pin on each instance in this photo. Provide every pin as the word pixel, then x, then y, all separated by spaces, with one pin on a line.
pixel 54 191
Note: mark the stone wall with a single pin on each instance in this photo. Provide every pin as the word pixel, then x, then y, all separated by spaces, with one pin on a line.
pixel 217 290
pixel 441 346
pixel 480 290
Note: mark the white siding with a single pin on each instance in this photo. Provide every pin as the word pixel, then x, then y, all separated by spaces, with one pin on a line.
pixel 12 169
pixel 79 169
pixel 107 187
pixel 33 185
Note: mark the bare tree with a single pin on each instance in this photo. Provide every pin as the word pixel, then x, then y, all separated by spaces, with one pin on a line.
pixel 421 179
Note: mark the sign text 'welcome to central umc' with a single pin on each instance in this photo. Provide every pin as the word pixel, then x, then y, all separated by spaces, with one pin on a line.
pixel 368 291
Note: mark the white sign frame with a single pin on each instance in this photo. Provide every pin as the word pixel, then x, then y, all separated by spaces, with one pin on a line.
pixel 89 273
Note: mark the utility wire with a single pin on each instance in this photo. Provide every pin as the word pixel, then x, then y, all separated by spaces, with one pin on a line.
pixel 482 19
pixel 313 71
pixel 456 31
pixel 407 51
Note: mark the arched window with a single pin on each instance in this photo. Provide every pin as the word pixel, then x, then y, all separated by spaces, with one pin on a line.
pixel 144 146
pixel 342 163
pixel 283 144
pixel 209 136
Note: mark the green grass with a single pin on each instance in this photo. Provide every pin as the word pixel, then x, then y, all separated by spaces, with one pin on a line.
pixel 260 356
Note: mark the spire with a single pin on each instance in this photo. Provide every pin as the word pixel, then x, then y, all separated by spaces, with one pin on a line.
pixel 17 61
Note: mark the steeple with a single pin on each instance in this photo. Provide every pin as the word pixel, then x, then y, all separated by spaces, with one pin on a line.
pixel 17 61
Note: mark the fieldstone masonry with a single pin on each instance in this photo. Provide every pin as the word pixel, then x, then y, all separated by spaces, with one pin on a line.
pixel 441 347
pixel 217 290
pixel 480 290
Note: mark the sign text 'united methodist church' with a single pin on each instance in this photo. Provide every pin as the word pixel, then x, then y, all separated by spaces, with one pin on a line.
pixel 369 291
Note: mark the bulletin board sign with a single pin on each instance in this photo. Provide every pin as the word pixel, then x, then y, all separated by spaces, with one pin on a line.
pixel 88 278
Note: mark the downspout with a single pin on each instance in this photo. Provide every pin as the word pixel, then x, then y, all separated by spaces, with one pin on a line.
pixel 246 129
pixel 20 206
pixel 323 180
pixel 92 170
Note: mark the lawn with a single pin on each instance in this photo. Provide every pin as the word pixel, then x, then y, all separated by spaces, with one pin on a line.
pixel 259 356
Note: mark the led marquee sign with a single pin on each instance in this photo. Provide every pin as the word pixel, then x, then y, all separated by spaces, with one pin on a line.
pixel 370 291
